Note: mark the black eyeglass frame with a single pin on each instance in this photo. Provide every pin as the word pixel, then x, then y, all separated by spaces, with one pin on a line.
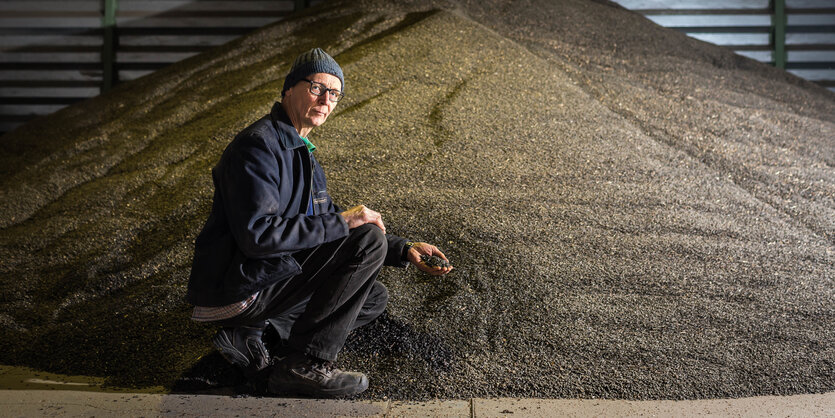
pixel 326 91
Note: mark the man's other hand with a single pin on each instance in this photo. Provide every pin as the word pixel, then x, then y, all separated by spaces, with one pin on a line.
pixel 422 248
pixel 361 215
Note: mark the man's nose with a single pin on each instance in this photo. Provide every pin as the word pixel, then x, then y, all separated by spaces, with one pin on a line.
pixel 323 99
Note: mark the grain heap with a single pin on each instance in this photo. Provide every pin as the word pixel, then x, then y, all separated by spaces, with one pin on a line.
pixel 630 213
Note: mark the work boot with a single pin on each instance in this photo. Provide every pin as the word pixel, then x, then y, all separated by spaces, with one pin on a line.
pixel 303 375
pixel 242 346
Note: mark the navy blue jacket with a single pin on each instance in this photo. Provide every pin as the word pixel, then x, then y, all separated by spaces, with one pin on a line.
pixel 263 185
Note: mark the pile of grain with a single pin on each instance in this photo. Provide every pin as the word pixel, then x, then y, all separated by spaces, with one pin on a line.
pixel 630 213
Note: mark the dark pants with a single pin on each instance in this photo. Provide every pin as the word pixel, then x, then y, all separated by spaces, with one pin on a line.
pixel 336 292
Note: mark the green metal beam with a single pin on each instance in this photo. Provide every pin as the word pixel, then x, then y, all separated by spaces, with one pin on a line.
pixel 108 52
pixel 778 32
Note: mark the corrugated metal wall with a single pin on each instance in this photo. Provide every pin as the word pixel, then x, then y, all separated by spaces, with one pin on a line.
pixel 51 52
pixel 746 26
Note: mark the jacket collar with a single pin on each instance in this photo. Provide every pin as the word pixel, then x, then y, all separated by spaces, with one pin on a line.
pixel 288 137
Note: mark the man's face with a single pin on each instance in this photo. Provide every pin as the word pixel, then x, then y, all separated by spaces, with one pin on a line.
pixel 307 109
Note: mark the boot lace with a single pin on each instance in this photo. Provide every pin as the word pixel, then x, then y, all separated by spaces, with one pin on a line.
pixel 323 366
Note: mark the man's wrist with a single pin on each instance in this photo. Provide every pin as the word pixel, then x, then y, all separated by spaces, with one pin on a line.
pixel 406 248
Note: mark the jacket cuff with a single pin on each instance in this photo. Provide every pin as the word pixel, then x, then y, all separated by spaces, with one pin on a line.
pixel 335 228
pixel 394 255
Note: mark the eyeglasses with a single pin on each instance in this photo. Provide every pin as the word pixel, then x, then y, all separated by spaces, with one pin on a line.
pixel 318 89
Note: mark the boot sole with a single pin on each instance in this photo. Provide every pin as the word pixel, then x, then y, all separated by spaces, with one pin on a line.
pixel 274 388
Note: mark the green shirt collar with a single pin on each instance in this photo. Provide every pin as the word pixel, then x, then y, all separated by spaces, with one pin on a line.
pixel 310 146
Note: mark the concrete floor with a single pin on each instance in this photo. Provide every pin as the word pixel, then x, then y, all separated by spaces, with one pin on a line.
pixel 81 403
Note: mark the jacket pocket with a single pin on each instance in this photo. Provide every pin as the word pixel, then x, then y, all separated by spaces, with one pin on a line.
pixel 262 273
pixel 321 201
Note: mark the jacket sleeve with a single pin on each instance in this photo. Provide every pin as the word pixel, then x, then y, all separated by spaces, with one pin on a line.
pixel 394 256
pixel 249 179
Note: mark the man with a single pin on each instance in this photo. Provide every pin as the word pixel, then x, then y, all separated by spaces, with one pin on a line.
pixel 277 251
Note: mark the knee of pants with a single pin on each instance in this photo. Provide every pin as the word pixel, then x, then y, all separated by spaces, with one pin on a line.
pixel 371 242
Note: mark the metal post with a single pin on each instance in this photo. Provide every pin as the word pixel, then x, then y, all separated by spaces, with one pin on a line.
pixel 778 32
pixel 108 52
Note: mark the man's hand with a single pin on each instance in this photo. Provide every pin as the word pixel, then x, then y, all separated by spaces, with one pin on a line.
pixel 361 215
pixel 422 248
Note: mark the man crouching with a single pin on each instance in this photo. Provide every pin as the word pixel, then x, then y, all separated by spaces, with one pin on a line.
pixel 276 251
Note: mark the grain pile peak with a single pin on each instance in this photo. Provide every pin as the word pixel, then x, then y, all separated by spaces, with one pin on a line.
pixel 631 213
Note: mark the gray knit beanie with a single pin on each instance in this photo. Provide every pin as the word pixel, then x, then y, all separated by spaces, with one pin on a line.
pixel 312 62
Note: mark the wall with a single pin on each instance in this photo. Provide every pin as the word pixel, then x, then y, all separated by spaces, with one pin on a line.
pixel 52 53
pixel 747 27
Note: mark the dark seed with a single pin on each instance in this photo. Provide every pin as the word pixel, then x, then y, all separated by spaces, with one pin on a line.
pixel 434 261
